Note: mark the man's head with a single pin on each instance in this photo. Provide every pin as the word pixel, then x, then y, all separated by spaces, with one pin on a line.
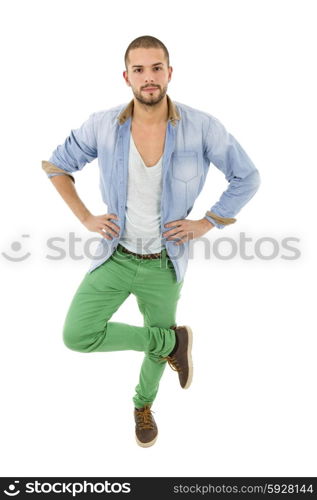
pixel 147 67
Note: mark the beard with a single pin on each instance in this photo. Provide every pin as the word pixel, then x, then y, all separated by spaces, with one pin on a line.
pixel 148 99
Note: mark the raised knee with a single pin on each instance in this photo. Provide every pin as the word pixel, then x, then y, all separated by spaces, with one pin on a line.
pixel 71 340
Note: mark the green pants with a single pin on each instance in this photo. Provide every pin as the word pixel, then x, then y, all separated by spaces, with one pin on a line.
pixel 153 281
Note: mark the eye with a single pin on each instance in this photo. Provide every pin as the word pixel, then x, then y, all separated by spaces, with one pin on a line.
pixel 158 67
pixel 137 69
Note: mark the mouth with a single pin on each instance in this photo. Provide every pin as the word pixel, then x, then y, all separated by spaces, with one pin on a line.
pixel 150 89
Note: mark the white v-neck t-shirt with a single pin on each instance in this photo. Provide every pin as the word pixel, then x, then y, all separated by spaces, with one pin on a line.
pixel 142 233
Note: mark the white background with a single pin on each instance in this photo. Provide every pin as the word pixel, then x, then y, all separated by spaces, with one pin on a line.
pixel 251 410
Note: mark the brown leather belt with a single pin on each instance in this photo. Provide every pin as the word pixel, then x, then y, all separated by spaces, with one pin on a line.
pixel 141 255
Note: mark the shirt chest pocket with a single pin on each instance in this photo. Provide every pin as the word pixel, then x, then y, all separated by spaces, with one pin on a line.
pixel 185 166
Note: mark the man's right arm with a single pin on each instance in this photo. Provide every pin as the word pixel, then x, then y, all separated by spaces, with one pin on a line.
pixel 79 148
pixel 97 223
pixel 66 188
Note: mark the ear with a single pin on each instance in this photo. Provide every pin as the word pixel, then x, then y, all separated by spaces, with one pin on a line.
pixel 126 79
pixel 170 71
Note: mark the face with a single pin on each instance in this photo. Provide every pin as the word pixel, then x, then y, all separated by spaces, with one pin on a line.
pixel 148 75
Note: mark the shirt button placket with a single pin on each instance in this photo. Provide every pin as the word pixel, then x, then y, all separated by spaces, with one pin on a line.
pixel 121 171
pixel 121 181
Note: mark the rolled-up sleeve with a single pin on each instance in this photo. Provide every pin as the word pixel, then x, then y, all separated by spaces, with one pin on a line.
pixel 225 152
pixel 78 149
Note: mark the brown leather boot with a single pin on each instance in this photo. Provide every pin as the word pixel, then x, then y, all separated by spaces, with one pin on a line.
pixel 180 358
pixel 145 428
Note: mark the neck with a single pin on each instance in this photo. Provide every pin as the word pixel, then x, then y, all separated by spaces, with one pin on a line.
pixel 143 114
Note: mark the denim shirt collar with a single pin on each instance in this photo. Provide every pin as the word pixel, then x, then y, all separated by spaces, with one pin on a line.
pixel 173 112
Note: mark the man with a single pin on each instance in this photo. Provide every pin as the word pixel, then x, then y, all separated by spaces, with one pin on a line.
pixel 154 155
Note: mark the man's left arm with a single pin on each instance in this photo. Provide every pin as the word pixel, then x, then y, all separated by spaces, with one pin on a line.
pixel 225 152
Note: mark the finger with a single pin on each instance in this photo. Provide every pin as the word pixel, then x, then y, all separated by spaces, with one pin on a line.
pixel 114 226
pixel 109 230
pixel 107 221
pixel 111 216
pixel 175 233
pixel 104 235
pixel 174 223
pixel 182 240
pixel 180 227
pixel 185 234
pixel 104 229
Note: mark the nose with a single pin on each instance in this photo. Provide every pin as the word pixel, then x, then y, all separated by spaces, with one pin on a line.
pixel 148 78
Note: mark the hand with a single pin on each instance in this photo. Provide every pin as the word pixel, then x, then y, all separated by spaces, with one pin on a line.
pixel 101 224
pixel 187 229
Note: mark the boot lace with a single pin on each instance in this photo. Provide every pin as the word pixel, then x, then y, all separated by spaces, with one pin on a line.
pixel 144 418
pixel 172 361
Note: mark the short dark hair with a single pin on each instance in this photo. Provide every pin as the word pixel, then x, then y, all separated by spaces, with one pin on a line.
pixel 146 42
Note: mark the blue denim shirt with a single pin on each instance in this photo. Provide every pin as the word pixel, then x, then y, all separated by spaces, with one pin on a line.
pixel 193 140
